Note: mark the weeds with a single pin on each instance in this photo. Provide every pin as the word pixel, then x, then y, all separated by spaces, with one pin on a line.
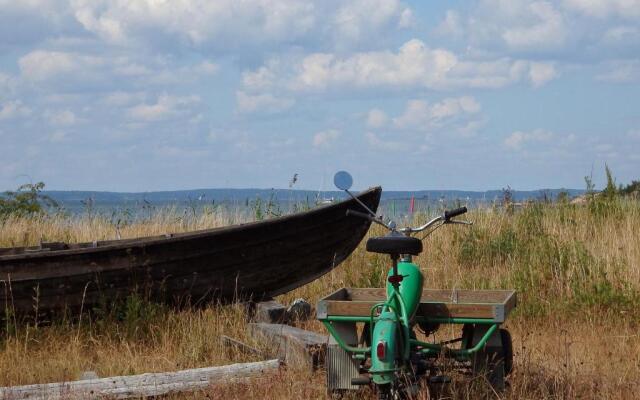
pixel 576 269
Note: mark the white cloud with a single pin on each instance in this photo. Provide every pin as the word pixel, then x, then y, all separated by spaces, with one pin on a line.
pixel 420 115
pixel 165 107
pixel 6 83
pixel 605 8
pixel 13 109
pixel 61 118
pixel 387 145
pixel 58 137
pixel 261 79
pixel 325 139
pixel 40 65
pixel 414 66
pixel 229 24
pixel 197 21
pixel 541 73
pixel 264 103
pixel 451 25
pixel 119 98
pixel 355 20
pixel 518 140
pixel 407 19
pixel 537 25
pixel 549 29
pixel 376 118
pixel 132 69
pixel 206 68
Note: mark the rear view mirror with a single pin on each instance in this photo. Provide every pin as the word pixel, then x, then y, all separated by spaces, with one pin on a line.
pixel 343 180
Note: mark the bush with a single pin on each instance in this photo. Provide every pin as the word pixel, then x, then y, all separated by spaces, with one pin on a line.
pixel 26 200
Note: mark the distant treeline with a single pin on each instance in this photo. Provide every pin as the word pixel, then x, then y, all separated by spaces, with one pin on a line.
pixel 72 199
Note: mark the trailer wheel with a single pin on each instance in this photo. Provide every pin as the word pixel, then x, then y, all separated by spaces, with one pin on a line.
pixel 492 362
pixel 507 351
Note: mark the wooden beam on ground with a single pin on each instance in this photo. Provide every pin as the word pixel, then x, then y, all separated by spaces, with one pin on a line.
pixel 270 311
pixel 295 346
pixel 240 346
pixel 149 384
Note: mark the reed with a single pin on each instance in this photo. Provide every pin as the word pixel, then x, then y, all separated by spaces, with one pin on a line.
pixel 576 268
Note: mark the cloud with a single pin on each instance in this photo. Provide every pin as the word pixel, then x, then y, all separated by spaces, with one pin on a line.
pixel 75 70
pixel 197 22
pixel 13 109
pixel 420 115
pixel 541 73
pixel 229 25
pixel 388 145
pixel 61 118
pixel 6 84
pixel 354 21
pixel 634 134
pixel 421 121
pixel 325 139
pixel 41 65
pixel 120 98
pixel 165 107
pixel 605 8
pixel 264 103
pixel 538 25
pixel 414 65
pixel 518 140
pixel 556 30
pixel 58 137
pixel 376 118
pixel 451 25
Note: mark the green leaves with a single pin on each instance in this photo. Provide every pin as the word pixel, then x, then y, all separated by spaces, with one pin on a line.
pixel 26 200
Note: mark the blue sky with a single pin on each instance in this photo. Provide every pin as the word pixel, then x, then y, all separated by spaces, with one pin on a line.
pixel 137 95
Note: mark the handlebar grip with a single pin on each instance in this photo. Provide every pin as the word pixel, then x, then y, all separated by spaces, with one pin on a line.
pixel 455 213
pixel 358 214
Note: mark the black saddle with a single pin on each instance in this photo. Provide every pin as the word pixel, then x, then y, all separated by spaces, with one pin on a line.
pixel 394 244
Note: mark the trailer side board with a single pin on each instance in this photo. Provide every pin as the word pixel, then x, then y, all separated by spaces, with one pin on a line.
pixel 492 305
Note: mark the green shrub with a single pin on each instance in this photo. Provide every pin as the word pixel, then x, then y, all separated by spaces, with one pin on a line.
pixel 26 200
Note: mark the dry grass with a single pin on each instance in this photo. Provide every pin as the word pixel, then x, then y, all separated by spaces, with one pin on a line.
pixel 577 270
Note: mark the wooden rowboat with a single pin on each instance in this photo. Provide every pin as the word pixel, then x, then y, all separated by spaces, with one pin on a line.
pixel 248 261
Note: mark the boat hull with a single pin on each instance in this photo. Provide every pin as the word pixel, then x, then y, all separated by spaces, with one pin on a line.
pixel 249 261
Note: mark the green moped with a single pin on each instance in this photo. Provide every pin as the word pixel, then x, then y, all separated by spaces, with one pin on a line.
pixel 373 337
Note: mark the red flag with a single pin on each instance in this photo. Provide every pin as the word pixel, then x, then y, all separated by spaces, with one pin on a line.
pixel 411 204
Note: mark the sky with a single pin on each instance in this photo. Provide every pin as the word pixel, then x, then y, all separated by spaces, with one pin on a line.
pixel 143 95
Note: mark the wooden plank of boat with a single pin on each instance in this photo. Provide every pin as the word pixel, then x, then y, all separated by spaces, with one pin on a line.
pixel 255 260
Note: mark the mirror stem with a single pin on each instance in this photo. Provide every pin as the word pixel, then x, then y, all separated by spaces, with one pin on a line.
pixel 362 204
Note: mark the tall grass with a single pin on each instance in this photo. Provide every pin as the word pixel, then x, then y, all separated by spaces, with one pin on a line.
pixel 576 270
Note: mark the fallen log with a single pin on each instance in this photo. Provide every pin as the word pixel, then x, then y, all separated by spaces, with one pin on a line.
pixel 149 384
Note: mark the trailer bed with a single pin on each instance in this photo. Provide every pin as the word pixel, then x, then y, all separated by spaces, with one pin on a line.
pixel 442 305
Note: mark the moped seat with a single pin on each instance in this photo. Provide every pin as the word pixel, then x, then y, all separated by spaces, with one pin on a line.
pixel 394 244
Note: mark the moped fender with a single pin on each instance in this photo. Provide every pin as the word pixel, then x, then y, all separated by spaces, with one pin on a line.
pixel 383 369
